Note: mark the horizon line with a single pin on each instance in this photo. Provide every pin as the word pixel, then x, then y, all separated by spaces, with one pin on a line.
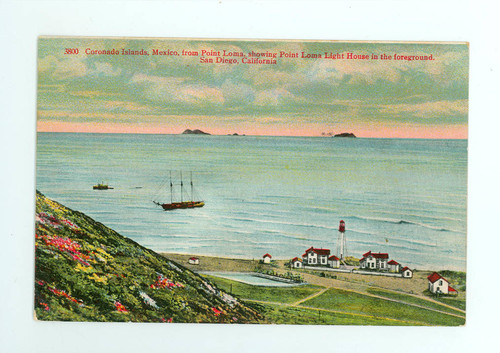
pixel 250 135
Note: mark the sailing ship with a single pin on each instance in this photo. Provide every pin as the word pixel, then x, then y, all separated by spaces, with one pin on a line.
pixel 101 186
pixel 182 204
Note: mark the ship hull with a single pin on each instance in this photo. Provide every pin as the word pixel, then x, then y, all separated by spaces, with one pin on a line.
pixel 101 187
pixel 182 205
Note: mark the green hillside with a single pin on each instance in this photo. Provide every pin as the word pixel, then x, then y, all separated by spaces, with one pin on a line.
pixel 85 271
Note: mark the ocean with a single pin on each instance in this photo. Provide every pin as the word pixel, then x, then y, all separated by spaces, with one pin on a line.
pixel 276 195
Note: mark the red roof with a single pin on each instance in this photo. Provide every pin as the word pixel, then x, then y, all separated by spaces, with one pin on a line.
pixel 392 262
pixel 267 255
pixel 376 255
pixel 335 258
pixel 405 268
pixel 451 289
pixel 435 276
pixel 317 251
pixel 295 259
pixel 193 258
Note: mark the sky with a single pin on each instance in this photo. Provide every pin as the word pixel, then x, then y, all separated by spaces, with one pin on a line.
pixel 167 94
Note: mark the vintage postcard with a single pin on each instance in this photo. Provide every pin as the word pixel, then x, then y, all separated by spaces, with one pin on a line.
pixel 251 181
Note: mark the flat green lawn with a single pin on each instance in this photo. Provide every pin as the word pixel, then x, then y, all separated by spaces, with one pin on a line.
pixel 278 314
pixel 411 299
pixel 269 294
pixel 336 299
pixel 458 303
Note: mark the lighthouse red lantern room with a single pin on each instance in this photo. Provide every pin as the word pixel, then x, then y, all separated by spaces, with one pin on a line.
pixel 341 242
pixel 342 226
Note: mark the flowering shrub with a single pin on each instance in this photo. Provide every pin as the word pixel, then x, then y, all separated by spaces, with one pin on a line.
pixel 148 300
pixel 47 220
pixel 66 245
pixel 69 224
pixel 59 293
pixel 119 306
pixel 98 279
pixel 164 282
pixel 216 311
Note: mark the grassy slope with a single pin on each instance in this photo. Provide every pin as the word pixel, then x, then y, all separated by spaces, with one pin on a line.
pixel 358 303
pixel 85 271
pixel 305 316
pixel 411 299
pixel 353 308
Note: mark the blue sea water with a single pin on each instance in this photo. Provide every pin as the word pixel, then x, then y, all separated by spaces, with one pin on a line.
pixel 277 195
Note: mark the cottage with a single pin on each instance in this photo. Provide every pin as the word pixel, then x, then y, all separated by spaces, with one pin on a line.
pixel 194 261
pixel 334 261
pixel 406 272
pixel 393 266
pixel 296 262
pixel 316 257
pixel 439 285
pixel 267 258
pixel 374 261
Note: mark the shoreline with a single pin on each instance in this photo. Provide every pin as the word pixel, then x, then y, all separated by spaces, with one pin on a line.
pixel 185 255
pixel 415 285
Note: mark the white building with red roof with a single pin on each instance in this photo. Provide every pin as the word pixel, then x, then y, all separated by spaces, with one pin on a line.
pixel 440 285
pixel 296 262
pixel 393 266
pixel 194 261
pixel 334 261
pixel 407 272
pixel 374 261
pixel 267 258
pixel 316 257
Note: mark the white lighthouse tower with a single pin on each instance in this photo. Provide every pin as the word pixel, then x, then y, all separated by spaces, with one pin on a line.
pixel 341 242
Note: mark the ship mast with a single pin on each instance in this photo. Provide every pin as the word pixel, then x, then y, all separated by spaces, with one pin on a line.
pixel 171 185
pixel 192 197
pixel 182 187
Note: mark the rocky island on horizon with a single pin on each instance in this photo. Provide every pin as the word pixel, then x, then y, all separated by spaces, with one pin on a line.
pixel 345 134
pixel 194 132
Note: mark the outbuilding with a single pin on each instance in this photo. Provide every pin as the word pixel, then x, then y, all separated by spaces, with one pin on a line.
pixel 334 261
pixel 440 285
pixel 407 272
pixel 296 262
pixel 194 261
pixel 267 258
pixel 393 266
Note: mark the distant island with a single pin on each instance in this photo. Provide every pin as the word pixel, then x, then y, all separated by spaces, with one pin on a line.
pixel 235 134
pixel 345 134
pixel 194 132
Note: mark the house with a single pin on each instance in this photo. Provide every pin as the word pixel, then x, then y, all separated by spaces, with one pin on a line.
pixel 374 261
pixel 440 285
pixel 406 272
pixel 315 257
pixel 194 261
pixel 334 261
pixel 267 258
pixel 393 266
pixel 296 262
